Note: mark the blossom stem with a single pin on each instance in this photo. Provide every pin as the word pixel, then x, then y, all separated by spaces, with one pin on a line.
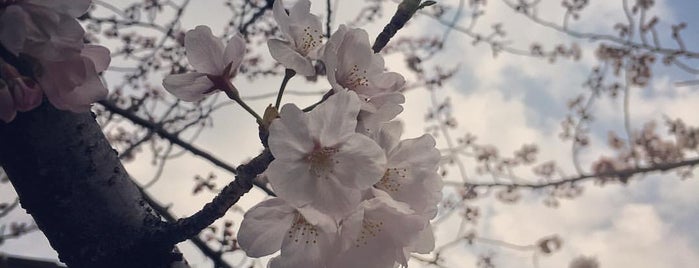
pixel 232 93
pixel 288 74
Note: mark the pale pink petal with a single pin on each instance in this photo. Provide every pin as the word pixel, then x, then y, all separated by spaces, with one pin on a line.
pixel 383 108
pixel 59 77
pixel 355 51
pixel 290 58
pixel 234 53
pixel 336 118
pixel 204 50
pixel 416 153
pixel 99 56
pixel 389 135
pixel 80 98
pixel 288 136
pixel 74 8
pixel 291 181
pixel 188 86
pixel 300 11
pixel 389 225
pixel 264 227
pixel 360 162
pixel 424 242
pixel 281 16
pixel 308 250
pixel 57 37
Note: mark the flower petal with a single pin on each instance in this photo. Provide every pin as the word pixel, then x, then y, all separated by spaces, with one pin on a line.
pixel 281 16
pixel 188 86
pixel 416 153
pixel 99 56
pixel 336 118
pixel 80 98
pixel 293 182
pixel 424 242
pixel 389 135
pixel 264 227
pixel 288 136
pixel 74 8
pixel 290 58
pixel 360 162
pixel 204 50
pixel 234 53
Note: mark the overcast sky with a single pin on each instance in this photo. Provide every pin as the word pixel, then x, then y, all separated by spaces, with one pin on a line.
pixel 508 101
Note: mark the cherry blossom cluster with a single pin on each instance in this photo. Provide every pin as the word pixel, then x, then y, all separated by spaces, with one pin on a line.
pixel 66 69
pixel 350 191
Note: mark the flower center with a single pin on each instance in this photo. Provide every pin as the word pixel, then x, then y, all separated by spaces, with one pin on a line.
pixel 390 182
pixel 322 161
pixel 370 229
pixel 309 41
pixel 302 231
pixel 356 78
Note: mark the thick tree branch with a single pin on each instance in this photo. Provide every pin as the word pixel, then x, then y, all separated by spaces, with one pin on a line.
pixel 69 178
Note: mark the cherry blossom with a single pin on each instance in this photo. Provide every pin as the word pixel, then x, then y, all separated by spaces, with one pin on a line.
pixel 302 37
pixel 48 32
pixel 306 237
pixel 215 65
pixel 45 29
pixel 351 64
pixel 376 234
pixel 320 160
pixel 411 174
pixel 74 84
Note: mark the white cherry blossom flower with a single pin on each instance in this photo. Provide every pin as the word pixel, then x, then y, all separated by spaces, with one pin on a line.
pixel 74 84
pixel 411 174
pixel 45 29
pixel 351 64
pixel 303 36
pixel 48 31
pixel 306 237
pixel 375 235
pixel 319 158
pixel 215 64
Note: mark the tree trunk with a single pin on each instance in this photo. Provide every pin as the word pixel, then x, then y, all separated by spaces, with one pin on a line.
pixel 71 181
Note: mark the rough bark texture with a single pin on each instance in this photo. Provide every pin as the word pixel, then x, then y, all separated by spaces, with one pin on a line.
pixel 71 181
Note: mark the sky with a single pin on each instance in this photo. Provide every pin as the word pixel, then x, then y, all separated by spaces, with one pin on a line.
pixel 508 100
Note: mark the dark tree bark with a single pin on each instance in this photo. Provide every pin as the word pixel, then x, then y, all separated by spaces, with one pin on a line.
pixel 71 181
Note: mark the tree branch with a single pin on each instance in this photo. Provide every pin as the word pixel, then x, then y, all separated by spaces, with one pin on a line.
pixel 176 140
pixel 188 227
pixel 625 173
